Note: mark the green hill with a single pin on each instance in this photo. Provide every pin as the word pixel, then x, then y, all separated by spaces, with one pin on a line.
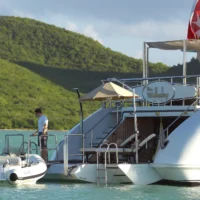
pixel 22 91
pixel 27 40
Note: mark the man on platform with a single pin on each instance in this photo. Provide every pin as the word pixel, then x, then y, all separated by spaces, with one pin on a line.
pixel 42 133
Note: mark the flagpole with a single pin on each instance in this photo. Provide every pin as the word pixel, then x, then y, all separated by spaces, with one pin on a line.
pixel 184 61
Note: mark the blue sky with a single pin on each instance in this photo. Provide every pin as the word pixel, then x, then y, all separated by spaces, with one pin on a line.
pixel 120 25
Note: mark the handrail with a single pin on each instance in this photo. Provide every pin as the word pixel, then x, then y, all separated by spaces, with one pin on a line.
pixel 117 159
pixel 101 146
pixel 7 140
pixel 114 128
pixel 56 144
pixel 22 145
pixel 152 78
pixel 166 129
pixel 96 124
pixel 36 147
pixel 105 159
pixel 40 137
pixel 117 125
pixel 124 81
pixel 105 162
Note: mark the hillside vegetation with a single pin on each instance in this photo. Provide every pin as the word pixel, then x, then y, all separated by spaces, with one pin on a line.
pixel 22 91
pixel 28 40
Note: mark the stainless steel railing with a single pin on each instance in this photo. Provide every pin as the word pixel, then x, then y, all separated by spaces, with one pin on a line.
pixel 55 148
pixel 167 129
pixel 7 141
pixel 133 83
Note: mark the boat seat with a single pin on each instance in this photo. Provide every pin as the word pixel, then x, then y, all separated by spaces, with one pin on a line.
pixel 127 140
pixel 120 150
pixel 147 139
pixel 11 160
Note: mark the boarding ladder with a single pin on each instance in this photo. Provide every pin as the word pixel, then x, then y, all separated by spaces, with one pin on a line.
pixel 104 169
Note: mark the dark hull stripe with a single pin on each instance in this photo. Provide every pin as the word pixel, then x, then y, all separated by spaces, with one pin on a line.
pixel 34 176
pixel 178 183
pixel 112 167
pixel 119 175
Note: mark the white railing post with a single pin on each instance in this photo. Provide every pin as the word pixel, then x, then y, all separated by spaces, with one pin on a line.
pixel 144 62
pixel 28 153
pixel 136 155
pixel 83 149
pixel 65 155
pixel 66 151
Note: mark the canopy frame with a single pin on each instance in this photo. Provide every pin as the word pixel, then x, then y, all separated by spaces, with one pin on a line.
pixel 182 45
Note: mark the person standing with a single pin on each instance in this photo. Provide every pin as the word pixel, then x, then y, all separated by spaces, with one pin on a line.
pixel 41 132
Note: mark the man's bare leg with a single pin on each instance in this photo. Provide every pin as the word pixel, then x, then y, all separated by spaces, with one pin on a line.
pixel 44 154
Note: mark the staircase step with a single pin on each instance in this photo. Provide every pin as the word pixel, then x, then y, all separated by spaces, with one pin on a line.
pixel 108 131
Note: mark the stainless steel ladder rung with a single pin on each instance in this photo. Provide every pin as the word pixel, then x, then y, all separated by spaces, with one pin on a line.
pixel 105 177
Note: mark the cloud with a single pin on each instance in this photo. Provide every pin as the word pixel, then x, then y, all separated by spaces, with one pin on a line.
pixel 87 30
pixel 91 32
pixel 22 14
pixel 71 26
pixel 63 22
pixel 128 19
pixel 122 25
pixel 151 30
pixel 138 54
pixel 127 11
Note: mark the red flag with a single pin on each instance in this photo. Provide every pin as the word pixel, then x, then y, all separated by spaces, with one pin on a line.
pixel 194 23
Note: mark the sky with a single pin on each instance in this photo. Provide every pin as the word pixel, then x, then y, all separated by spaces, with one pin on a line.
pixel 120 25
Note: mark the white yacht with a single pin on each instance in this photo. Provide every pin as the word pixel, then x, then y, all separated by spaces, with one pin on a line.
pixel 146 131
pixel 18 166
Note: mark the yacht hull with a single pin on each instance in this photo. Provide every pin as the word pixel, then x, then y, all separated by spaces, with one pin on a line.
pixel 180 173
pixel 87 173
pixel 140 174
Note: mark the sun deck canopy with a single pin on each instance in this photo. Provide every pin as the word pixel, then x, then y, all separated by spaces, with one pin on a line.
pixel 108 91
pixel 191 45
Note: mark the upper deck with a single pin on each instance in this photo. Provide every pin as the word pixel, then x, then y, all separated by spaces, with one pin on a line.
pixel 166 91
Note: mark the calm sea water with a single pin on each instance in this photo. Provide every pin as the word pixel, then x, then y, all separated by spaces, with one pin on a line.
pixel 62 191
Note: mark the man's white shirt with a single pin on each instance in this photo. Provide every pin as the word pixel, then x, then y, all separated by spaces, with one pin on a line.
pixel 41 122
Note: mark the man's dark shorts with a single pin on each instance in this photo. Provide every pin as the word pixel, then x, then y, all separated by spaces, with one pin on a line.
pixel 43 140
